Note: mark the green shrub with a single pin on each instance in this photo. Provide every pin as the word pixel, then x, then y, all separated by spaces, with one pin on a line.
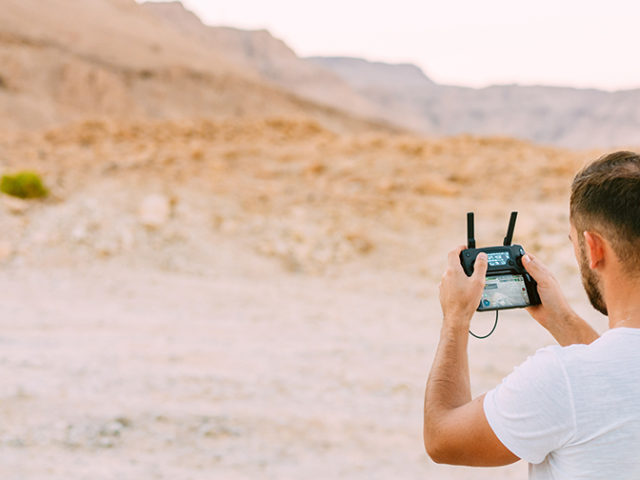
pixel 23 185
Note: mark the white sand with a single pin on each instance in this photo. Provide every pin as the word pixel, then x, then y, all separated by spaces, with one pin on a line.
pixel 116 373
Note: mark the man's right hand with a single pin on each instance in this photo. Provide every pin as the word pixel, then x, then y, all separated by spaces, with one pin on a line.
pixel 554 313
pixel 554 306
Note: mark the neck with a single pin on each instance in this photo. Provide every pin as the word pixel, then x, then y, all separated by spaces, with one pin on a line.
pixel 623 301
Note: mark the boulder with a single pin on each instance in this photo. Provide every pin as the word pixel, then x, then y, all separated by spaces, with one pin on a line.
pixel 154 211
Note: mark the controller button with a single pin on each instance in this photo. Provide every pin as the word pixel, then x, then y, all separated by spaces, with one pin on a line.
pixel 486 302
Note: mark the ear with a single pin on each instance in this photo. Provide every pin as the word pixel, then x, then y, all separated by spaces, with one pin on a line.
pixel 595 249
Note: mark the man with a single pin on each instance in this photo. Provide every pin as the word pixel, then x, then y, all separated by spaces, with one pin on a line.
pixel 571 410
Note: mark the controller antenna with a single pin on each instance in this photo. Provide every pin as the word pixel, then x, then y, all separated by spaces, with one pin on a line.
pixel 512 226
pixel 471 242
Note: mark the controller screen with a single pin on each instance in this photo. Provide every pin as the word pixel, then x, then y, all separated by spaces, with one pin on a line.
pixel 504 291
pixel 498 259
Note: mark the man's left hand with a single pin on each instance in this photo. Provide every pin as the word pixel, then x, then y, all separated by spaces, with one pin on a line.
pixel 460 295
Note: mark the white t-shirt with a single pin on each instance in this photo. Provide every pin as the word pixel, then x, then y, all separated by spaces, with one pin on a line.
pixel 574 412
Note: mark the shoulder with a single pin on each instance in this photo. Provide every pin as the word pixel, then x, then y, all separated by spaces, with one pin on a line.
pixel 532 411
pixel 546 365
pixel 539 382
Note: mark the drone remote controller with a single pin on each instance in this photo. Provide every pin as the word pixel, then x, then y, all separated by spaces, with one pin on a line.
pixel 508 284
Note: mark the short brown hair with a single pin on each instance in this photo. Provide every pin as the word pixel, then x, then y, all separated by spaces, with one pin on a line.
pixel 605 196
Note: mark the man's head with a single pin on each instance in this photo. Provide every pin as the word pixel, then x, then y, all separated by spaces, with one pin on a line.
pixel 605 216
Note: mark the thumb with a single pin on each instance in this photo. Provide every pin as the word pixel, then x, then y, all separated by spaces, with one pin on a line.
pixel 480 266
pixel 533 266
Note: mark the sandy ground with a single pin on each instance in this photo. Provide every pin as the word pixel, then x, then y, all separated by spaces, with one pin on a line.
pixel 112 372
pixel 253 300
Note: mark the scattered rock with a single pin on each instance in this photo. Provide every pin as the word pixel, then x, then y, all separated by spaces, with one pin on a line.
pixel 316 168
pixel 112 429
pixel 15 205
pixel 216 428
pixel 360 242
pixel 106 247
pixel 105 442
pixel 155 211
pixel 435 186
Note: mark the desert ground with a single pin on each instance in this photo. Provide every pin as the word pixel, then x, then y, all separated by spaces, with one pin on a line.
pixel 235 274
pixel 253 298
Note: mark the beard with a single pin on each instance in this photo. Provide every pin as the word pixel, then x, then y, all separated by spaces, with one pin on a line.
pixel 591 283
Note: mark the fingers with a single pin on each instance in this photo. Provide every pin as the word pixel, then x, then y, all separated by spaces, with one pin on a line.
pixel 480 267
pixel 529 265
pixel 536 268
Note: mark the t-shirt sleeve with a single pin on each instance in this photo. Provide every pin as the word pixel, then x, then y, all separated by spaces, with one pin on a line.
pixel 532 411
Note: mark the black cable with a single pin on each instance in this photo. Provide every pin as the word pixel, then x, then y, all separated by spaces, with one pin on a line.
pixel 492 330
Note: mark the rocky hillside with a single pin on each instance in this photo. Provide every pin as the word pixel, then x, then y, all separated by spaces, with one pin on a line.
pixel 403 95
pixel 120 59
pixel 289 190
pixel 577 118
pixel 66 60
pixel 268 57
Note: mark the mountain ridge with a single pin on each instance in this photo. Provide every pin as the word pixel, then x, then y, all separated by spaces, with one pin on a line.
pixel 563 116
pixel 158 60
pixel 403 95
pixel 267 57
pixel 116 60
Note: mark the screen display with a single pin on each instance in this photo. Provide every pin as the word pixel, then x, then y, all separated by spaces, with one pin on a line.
pixel 498 259
pixel 504 291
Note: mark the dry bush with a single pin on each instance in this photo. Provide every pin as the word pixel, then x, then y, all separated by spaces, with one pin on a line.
pixel 23 185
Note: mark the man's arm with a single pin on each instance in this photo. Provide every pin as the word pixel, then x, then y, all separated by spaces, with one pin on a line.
pixel 456 430
pixel 554 313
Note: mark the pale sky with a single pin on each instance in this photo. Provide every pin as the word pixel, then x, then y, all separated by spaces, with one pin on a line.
pixel 462 42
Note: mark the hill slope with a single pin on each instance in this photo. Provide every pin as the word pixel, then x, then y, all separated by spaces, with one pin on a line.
pixel 577 118
pixel 268 57
pixel 66 60
pixel 403 95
